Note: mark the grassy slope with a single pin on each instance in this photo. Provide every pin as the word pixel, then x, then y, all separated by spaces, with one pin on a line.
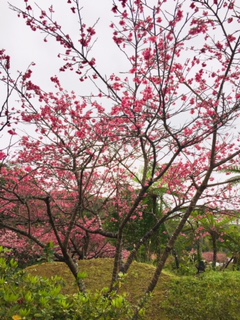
pixel 99 276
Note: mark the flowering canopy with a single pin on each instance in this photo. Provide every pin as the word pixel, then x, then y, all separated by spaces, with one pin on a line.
pixel 173 113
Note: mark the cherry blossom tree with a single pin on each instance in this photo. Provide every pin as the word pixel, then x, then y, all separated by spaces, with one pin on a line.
pixel 214 227
pixel 5 114
pixel 173 111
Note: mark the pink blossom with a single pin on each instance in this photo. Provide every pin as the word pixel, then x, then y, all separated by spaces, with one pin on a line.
pixel 2 156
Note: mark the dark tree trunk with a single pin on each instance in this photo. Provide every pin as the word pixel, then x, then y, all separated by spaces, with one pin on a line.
pixel 214 243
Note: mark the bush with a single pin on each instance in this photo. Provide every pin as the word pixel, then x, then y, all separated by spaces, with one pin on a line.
pixel 187 266
pixel 23 296
pixel 212 296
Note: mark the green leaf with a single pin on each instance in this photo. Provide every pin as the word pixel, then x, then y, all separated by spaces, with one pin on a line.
pixel 82 275
pixel 11 297
pixel 118 302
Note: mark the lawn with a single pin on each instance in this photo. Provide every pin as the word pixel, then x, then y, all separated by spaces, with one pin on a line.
pixel 99 276
pixel 212 296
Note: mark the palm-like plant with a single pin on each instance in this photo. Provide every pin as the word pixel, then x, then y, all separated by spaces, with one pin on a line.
pixel 233 170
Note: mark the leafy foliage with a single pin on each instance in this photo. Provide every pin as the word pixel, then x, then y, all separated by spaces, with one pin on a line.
pixel 24 296
pixel 212 296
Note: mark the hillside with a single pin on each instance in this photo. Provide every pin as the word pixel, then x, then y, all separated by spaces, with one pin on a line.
pixel 99 276
pixel 211 296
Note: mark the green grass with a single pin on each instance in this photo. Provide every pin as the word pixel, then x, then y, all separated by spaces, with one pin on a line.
pixel 211 296
pixel 99 276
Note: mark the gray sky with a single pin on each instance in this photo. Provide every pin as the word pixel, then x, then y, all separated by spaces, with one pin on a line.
pixel 25 46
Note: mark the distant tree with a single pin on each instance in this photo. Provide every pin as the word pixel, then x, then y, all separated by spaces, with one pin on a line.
pixel 215 227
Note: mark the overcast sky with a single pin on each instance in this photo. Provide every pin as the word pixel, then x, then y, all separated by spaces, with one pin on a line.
pixel 25 46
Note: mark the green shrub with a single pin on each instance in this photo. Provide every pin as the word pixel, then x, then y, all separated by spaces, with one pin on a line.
pixel 103 306
pixel 23 296
pixel 187 266
pixel 211 296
